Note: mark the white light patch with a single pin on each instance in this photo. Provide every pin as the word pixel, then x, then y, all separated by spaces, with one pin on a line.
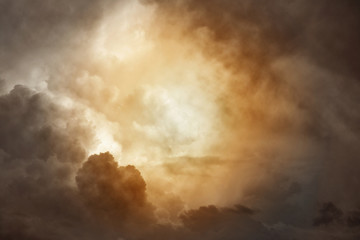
pixel 123 35
pixel 104 140
pixel 106 143
pixel 180 118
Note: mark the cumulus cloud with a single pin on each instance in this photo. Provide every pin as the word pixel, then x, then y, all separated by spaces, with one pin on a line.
pixel 39 161
pixel 115 193
pixel 38 156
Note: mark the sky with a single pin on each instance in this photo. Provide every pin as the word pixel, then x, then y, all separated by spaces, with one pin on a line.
pixel 179 120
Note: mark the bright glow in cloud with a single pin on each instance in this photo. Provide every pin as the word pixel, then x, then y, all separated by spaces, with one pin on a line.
pixel 181 117
pixel 123 34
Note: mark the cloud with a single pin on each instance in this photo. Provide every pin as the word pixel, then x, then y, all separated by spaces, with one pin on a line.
pixel 226 223
pixel 235 101
pixel 112 192
pixel 108 201
pixel 41 158
pixel 292 82
pixel 30 28
pixel 353 219
pixel 37 159
pixel 329 213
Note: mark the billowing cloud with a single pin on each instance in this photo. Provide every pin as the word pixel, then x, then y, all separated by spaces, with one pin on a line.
pixel 39 151
pixel 114 193
pixel 197 107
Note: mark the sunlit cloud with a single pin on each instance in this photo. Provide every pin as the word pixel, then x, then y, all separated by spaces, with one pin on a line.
pixel 183 119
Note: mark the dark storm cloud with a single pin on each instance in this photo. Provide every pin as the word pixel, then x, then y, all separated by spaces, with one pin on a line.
pixel 38 154
pixel 39 158
pixel 211 222
pixel 329 215
pixel 353 219
pixel 41 151
pixel 115 193
pixel 33 126
pixel 226 223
